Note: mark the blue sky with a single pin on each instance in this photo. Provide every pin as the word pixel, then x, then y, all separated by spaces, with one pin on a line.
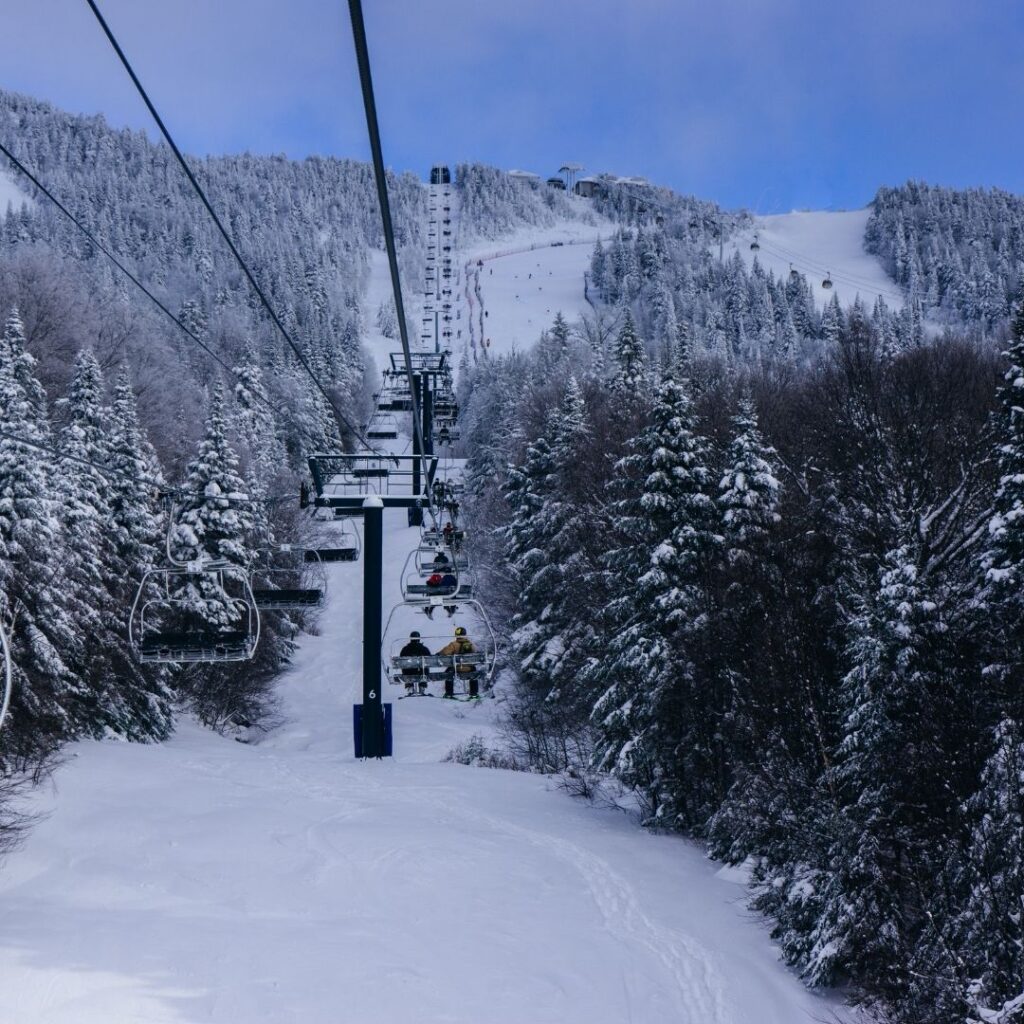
pixel 768 104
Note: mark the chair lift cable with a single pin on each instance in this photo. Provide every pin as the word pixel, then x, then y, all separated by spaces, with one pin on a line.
pixel 366 84
pixel 114 474
pixel 342 419
pixel 22 169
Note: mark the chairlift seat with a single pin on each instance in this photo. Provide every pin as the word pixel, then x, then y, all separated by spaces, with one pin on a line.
pixel 332 554
pixel 195 646
pixel 288 600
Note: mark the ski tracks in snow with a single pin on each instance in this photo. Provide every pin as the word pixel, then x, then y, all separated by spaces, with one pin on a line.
pixel 699 982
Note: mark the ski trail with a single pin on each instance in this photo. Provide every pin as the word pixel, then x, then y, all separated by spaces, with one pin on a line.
pixel 701 981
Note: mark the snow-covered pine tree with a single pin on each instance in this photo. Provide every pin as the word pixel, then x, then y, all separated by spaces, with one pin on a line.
pixel 658 610
pixel 989 931
pixel 630 359
pixel 749 490
pixel 892 832
pixel 121 697
pixel 214 522
pixel 1003 562
pixel 36 608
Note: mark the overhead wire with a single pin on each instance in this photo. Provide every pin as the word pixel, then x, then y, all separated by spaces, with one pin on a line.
pixel 797 260
pixel 244 266
pixel 116 474
pixel 190 334
pixel 369 103
pixel 850 277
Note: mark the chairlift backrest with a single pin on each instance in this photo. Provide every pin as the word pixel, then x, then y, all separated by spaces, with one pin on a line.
pixel 160 596
pixel 482 660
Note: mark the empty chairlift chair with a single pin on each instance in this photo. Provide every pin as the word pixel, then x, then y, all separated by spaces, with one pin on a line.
pixel 382 428
pixel 288 579
pixel 166 625
pixel 347 548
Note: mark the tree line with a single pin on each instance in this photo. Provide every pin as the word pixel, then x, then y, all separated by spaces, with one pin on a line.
pixel 781 604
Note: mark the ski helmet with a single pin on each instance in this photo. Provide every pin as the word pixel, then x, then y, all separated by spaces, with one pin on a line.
pixel 414 635
pixel 460 630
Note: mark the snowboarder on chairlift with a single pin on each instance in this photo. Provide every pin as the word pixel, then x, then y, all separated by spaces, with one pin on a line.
pixel 460 645
pixel 441 560
pixel 415 648
pixel 441 585
pixel 449 585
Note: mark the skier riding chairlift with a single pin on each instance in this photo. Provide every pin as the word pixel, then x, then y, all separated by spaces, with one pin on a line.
pixel 415 648
pixel 443 585
pixel 460 645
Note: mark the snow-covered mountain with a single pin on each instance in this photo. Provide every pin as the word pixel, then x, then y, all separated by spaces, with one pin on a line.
pixel 744 540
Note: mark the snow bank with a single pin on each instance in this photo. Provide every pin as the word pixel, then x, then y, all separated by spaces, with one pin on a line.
pixel 208 880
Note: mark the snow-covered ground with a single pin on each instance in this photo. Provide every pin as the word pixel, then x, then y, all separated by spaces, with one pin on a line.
pixel 10 194
pixel 817 244
pixel 523 284
pixel 280 881
pixel 208 880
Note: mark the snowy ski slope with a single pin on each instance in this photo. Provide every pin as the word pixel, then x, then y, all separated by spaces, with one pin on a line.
pixel 818 243
pixel 281 881
pixel 526 280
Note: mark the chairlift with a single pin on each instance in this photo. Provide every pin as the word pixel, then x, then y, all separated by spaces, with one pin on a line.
pixel 433 536
pixel 296 587
pixel 417 591
pixel 163 596
pixel 427 561
pixel 827 283
pixel 462 672
pixel 382 428
pixel 347 547
pixel 426 557
pixel 8 675
pixel 794 274
pixel 755 245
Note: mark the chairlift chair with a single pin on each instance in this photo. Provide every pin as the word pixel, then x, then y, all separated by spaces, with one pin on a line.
pixel 161 596
pixel 348 548
pixel 755 245
pixel 296 587
pixel 425 562
pixel 382 428
pixel 827 283
pixel 463 669
pixel 794 274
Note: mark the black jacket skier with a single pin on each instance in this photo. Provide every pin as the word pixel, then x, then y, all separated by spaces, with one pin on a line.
pixel 415 648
